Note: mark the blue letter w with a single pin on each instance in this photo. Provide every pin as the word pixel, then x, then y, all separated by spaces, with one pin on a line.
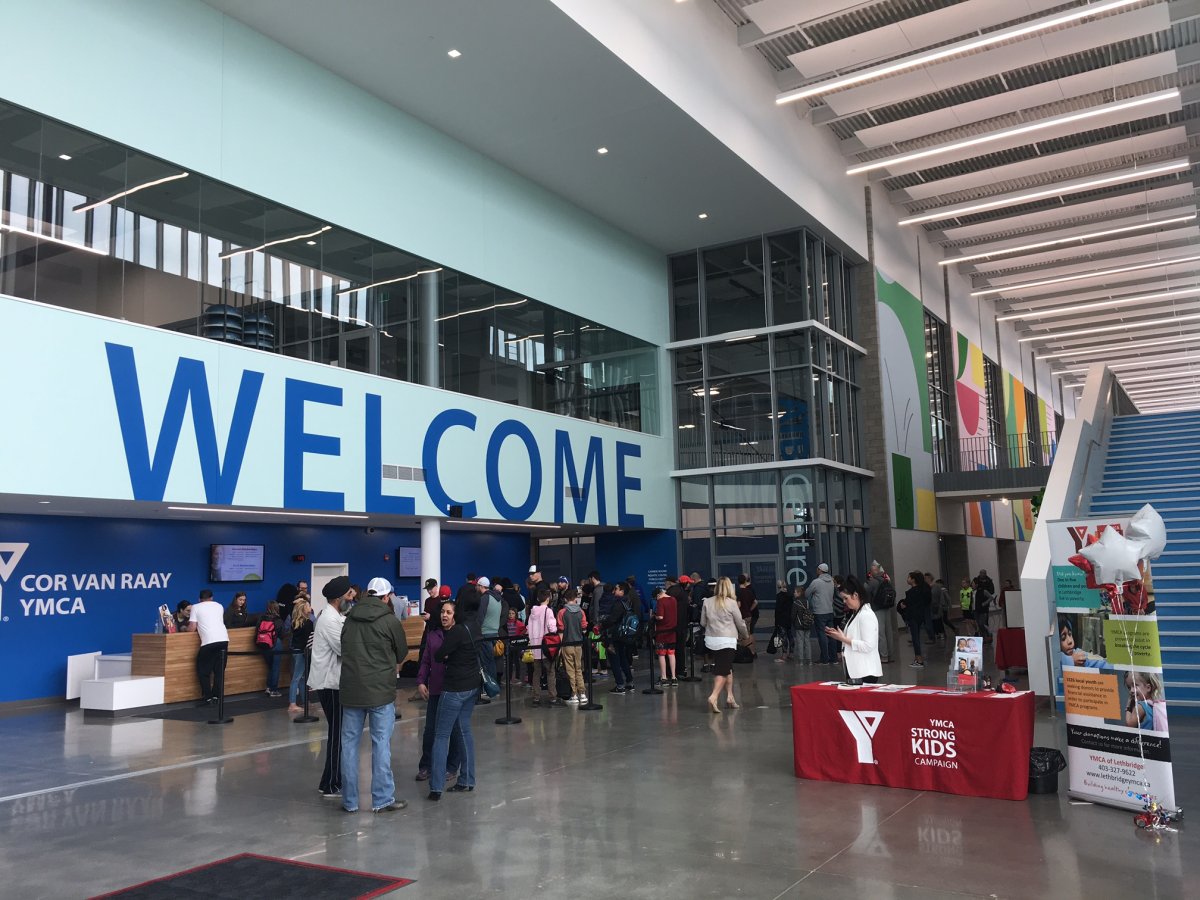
pixel 149 479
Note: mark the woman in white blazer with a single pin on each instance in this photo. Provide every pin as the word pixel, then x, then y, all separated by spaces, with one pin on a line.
pixel 860 635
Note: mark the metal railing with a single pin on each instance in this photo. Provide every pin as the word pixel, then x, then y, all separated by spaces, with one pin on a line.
pixel 1013 451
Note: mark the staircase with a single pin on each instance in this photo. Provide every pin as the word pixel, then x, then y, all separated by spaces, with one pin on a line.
pixel 1155 459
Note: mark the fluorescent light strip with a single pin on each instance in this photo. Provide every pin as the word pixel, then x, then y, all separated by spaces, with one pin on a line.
pixel 467 312
pixel 1138 363
pixel 924 59
pixel 1161 376
pixel 264 512
pixel 1157 264
pixel 45 237
pixel 1102 329
pixel 1184 389
pixel 299 237
pixel 1014 131
pixel 1131 345
pixel 84 207
pixel 375 284
pixel 1100 304
pixel 1025 248
pixel 497 524
pixel 953 212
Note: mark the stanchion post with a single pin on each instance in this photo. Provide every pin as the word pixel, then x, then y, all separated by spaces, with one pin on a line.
pixel 508 718
pixel 221 718
pixel 306 718
pixel 587 676
pixel 689 649
pixel 653 689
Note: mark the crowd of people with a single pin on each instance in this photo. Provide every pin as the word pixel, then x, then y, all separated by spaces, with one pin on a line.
pixel 552 638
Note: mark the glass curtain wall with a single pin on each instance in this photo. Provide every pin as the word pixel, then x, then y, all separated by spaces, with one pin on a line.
pixel 937 369
pixel 769 377
pixel 94 226
pixel 994 402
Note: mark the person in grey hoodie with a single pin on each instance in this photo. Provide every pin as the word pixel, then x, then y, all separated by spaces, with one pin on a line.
pixel 820 600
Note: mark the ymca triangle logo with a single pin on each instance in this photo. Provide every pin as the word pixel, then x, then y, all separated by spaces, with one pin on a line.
pixel 10 558
pixel 863 724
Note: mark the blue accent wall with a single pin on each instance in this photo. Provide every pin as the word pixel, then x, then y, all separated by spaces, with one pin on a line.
pixel 643 554
pixel 111 573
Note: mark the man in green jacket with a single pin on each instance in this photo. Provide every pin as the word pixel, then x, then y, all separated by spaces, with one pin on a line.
pixel 373 647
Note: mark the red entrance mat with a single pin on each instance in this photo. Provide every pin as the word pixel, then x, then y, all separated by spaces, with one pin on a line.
pixel 249 876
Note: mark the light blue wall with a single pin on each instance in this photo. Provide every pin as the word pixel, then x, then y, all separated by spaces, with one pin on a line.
pixel 177 79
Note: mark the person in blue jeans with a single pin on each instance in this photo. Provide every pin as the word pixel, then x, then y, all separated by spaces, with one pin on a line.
pixel 431 676
pixel 460 689
pixel 820 600
pixel 373 648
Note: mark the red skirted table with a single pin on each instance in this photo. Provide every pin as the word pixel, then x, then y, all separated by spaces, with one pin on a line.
pixel 971 744
pixel 1010 649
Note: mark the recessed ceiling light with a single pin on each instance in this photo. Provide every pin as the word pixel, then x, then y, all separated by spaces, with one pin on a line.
pixel 601 150
pixel 311 243
pixel 44 502
pixel 66 157
pixel 453 54
pixel 702 216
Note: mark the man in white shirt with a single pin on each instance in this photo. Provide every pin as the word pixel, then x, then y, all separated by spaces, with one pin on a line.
pixel 325 677
pixel 208 618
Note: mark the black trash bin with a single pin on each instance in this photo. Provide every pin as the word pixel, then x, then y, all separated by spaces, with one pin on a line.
pixel 1044 765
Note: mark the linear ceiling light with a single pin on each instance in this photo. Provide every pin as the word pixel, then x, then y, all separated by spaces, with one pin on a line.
pixel 1101 329
pixel 1127 346
pixel 1044 245
pixel 1157 264
pixel 1139 363
pixel 467 312
pixel 54 240
pixel 264 512
pixel 953 212
pixel 1014 131
pixel 1136 392
pixel 1100 304
pixel 287 240
pixel 497 524
pixel 84 207
pixel 934 56
pixel 1160 376
pixel 388 281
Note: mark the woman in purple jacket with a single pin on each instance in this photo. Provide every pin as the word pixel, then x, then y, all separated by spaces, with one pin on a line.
pixel 430 675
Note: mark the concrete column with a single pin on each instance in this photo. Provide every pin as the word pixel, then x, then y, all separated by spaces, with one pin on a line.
pixel 431 549
pixel 870 383
pixel 429 353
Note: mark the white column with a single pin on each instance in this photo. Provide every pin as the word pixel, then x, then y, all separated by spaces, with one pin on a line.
pixel 431 549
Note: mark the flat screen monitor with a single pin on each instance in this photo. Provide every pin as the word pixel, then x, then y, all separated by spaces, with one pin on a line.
pixel 235 563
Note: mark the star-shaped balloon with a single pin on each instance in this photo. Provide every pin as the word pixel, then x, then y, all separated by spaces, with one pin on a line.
pixel 1114 557
pixel 1148 529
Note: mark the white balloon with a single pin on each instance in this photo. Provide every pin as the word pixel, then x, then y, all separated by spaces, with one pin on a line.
pixel 1148 529
pixel 1114 557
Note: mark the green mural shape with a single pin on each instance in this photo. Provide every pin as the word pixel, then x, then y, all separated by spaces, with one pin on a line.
pixel 911 314
pixel 902 479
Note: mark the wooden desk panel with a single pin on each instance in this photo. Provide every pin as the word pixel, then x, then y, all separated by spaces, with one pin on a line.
pixel 174 657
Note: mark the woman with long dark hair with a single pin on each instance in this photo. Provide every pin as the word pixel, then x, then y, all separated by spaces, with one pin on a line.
pixel 860 635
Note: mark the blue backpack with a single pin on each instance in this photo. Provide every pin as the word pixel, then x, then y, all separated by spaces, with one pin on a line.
pixel 629 629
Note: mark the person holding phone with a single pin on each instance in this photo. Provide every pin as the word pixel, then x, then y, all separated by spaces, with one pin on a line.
pixel 860 635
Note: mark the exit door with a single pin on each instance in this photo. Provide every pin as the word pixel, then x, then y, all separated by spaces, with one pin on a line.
pixel 358 350
pixel 763 572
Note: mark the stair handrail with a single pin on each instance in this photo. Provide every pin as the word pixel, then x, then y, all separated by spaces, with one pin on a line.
pixel 1075 475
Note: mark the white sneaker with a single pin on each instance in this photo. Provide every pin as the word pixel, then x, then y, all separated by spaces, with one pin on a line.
pixel 574 698
pixel 583 698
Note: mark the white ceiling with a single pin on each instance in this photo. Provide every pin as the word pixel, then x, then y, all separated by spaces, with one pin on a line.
pixel 536 93
pixel 1140 49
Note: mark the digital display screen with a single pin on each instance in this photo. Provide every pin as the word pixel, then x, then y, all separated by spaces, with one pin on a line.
pixel 235 563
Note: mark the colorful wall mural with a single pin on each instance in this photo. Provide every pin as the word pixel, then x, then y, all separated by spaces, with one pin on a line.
pixel 906 406
pixel 970 390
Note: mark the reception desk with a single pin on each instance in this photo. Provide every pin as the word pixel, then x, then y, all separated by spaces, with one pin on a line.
pixel 173 656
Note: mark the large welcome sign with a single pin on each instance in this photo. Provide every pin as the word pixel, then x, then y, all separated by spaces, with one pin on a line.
pixel 110 410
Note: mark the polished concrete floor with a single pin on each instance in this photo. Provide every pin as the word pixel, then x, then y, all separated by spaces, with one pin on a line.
pixel 650 797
